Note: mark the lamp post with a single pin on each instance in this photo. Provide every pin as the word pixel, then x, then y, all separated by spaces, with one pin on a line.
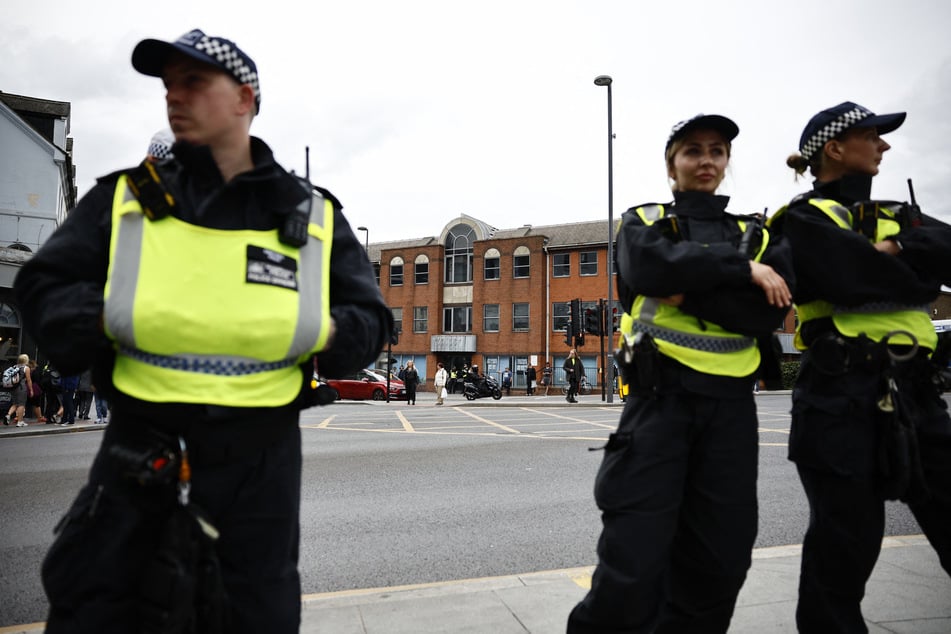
pixel 366 240
pixel 605 80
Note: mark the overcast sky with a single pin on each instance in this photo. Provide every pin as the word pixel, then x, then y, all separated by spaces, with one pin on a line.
pixel 416 111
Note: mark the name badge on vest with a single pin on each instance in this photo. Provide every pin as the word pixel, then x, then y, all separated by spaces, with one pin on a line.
pixel 271 268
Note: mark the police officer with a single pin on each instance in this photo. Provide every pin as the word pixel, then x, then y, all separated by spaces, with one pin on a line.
pixel 868 423
pixel 677 484
pixel 203 290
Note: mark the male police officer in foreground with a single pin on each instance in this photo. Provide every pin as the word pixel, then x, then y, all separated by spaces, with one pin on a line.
pixel 201 290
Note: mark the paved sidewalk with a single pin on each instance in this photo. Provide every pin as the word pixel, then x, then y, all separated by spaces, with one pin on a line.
pixel 908 593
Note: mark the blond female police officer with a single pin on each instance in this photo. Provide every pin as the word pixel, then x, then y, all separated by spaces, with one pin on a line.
pixel 677 485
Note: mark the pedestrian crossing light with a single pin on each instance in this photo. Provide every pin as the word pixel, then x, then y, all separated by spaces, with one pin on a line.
pixel 615 316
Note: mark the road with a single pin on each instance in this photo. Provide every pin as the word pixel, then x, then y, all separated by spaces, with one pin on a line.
pixel 395 494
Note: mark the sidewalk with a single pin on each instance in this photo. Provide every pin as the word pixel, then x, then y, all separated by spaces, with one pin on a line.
pixel 908 592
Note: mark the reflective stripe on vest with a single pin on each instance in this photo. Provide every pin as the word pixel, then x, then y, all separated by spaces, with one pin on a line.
pixel 707 348
pixel 875 319
pixel 246 308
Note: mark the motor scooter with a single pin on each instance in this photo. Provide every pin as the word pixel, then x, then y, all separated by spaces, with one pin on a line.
pixel 489 387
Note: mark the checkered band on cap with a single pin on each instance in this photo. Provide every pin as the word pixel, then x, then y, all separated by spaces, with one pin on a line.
pixel 232 59
pixel 160 146
pixel 159 150
pixel 833 129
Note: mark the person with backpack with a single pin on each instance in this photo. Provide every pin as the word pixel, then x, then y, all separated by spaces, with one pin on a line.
pixel 17 379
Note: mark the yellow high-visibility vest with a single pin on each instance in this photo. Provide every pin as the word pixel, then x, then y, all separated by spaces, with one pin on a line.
pixel 706 347
pixel 874 320
pixel 202 315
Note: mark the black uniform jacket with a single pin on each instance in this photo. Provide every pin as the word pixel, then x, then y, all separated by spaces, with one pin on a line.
pixel 60 289
pixel 706 265
pixel 843 268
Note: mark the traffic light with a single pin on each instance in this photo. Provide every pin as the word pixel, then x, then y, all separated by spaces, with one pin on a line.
pixel 569 336
pixel 615 317
pixel 592 321
pixel 577 327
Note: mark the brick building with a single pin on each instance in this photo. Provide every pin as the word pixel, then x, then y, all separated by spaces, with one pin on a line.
pixel 496 298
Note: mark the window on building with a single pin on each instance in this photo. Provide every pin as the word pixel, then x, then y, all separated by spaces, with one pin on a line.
pixel 589 263
pixel 492 267
pixel 396 271
pixel 420 318
pixel 421 274
pixel 397 319
pixel 560 315
pixel 561 264
pixel 459 254
pixel 490 318
pixel 520 266
pixel 457 319
pixel 520 317
pixel 376 272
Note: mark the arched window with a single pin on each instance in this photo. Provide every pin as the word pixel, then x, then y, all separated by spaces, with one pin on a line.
pixel 396 271
pixel 421 272
pixel 459 254
pixel 491 264
pixel 521 262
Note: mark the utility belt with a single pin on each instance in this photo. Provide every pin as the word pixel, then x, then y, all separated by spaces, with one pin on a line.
pixel 899 473
pixel 834 354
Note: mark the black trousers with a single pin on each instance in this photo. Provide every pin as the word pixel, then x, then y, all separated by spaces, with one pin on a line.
pixel 572 389
pixel 93 570
pixel 677 491
pixel 836 443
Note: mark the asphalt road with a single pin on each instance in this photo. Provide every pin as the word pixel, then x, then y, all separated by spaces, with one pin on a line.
pixel 397 495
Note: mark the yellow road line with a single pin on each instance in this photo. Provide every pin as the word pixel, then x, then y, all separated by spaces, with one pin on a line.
pixel 489 422
pixel 407 426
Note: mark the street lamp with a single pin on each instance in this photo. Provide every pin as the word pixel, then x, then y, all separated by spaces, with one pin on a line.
pixel 366 241
pixel 605 80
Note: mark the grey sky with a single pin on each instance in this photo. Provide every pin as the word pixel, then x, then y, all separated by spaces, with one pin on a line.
pixel 419 110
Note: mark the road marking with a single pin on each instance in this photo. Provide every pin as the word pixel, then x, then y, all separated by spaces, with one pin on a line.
pixel 406 424
pixel 489 422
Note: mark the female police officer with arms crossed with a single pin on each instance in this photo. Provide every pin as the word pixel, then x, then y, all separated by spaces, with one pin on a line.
pixel 202 289
pixel 864 269
pixel 677 486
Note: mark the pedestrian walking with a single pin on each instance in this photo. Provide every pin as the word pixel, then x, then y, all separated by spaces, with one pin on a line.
pixel 164 274
pixel 530 378
pixel 546 377
pixel 439 382
pixel 868 421
pixel 677 484
pixel 574 370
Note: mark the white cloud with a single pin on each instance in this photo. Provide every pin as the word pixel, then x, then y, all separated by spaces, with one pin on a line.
pixel 419 110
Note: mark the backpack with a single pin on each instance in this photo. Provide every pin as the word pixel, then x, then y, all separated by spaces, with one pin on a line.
pixel 11 377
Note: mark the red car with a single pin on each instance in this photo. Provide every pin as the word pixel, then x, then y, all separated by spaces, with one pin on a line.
pixel 366 384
